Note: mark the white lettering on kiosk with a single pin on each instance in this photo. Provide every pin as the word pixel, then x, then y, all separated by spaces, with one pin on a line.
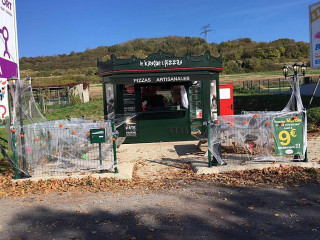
pixel 142 80
pixel 163 63
pixel 173 79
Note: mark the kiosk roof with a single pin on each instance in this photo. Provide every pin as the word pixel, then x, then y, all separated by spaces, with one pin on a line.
pixel 160 62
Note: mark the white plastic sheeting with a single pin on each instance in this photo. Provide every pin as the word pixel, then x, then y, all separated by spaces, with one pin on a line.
pixel 262 136
pixel 55 147
pixel 254 137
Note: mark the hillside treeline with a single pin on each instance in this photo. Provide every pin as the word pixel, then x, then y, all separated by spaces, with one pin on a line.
pixel 239 56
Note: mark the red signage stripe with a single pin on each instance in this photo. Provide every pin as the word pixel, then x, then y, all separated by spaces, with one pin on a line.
pixel 160 69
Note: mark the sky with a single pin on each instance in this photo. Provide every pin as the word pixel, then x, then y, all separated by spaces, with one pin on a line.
pixel 47 28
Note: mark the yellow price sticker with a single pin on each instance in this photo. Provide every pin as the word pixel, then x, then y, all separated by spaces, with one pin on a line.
pixel 293 133
pixel 284 137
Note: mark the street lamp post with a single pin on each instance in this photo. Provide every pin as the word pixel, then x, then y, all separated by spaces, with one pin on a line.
pixel 295 100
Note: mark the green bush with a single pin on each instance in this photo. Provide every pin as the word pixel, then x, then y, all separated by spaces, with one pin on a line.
pixel 75 100
pixel 313 118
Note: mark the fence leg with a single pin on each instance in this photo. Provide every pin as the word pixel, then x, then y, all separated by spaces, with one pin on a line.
pixel 15 156
pixel 100 157
pixel 114 149
pixel 49 147
pixel 209 143
pixel 306 156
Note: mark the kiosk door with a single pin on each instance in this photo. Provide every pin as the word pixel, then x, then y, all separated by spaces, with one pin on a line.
pixel 226 99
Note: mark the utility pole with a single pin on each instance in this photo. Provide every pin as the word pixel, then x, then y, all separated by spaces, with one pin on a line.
pixel 205 31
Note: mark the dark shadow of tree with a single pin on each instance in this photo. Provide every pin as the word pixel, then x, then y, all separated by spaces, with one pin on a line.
pixel 210 213
pixel 44 223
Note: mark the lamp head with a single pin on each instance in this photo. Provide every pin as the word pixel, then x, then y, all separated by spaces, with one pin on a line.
pixel 304 69
pixel 13 80
pixel 29 80
pixel 295 68
pixel 285 70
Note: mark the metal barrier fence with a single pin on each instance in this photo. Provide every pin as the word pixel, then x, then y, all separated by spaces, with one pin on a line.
pixel 62 147
pixel 268 85
pixel 261 136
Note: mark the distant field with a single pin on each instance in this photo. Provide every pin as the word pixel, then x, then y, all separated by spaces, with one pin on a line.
pixel 70 76
pixel 237 79
pixel 95 91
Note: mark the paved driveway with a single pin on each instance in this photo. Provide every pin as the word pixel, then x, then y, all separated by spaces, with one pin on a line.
pixel 199 210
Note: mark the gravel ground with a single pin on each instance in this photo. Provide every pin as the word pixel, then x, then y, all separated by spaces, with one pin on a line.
pixel 155 160
pixel 314 148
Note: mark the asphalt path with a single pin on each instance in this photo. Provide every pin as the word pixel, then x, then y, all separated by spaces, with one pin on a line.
pixel 200 210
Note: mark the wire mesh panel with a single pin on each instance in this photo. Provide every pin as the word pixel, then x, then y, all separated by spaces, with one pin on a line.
pixel 61 147
pixel 54 147
pixel 261 136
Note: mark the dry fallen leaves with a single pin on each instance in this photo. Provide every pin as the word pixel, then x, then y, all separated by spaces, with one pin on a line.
pixel 272 176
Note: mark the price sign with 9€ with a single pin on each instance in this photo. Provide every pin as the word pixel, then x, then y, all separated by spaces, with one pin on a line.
pixel 288 135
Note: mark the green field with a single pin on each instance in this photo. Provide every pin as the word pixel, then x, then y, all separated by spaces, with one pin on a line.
pixel 92 110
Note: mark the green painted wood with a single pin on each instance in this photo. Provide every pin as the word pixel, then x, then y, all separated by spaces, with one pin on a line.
pixel 166 129
pixel 159 60
pixel 156 126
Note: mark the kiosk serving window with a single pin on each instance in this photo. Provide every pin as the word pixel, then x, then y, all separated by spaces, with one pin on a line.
pixel 164 97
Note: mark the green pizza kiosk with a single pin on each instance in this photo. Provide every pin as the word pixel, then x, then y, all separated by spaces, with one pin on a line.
pixel 161 97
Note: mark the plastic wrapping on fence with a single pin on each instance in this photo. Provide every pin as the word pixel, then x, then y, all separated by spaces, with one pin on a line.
pixel 262 136
pixel 55 147
pixel 61 147
pixel 259 136
pixel 121 119
pixel 295 102
pixel 24 108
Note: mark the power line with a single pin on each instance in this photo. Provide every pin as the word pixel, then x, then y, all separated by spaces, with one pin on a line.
pixel 205 31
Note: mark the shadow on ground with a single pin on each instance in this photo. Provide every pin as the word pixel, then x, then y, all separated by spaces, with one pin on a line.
pixel 188 149
pixel 201 211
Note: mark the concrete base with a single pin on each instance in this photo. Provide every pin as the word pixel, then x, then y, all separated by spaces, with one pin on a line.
pixel 202 167
pixel 125 172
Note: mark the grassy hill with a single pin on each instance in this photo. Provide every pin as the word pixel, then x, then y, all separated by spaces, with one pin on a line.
pixel 239 56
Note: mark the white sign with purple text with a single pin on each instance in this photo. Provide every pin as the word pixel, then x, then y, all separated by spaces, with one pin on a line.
pixel 9 58
pixel 314 15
